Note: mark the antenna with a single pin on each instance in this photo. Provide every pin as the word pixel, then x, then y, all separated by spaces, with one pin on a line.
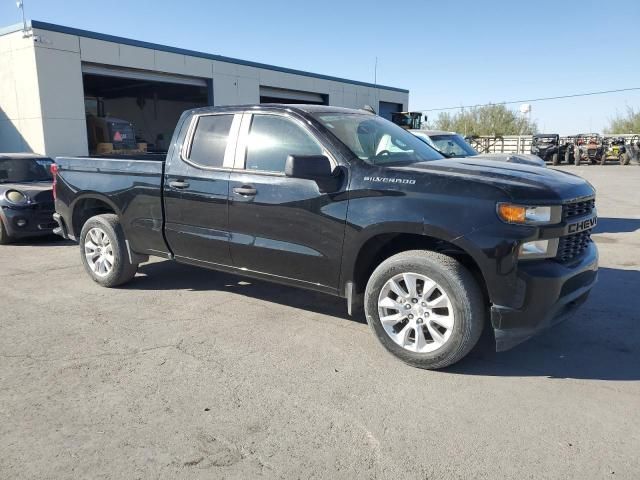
pixel 375 72
pixel 20 5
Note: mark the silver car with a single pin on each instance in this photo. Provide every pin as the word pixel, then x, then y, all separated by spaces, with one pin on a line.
pixel 453 145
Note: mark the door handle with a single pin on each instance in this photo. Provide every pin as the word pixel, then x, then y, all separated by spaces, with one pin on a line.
pixel 246 190
pixel 179 184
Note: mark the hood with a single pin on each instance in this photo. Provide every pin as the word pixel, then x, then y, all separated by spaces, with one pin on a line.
pixel 522 183
pixel 38 192
pixel 523 158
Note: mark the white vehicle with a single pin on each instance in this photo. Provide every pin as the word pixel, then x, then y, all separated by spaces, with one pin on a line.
pixel 453 145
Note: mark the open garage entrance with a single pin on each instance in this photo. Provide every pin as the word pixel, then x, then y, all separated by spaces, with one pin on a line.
pixel 387 109
pixel 282 95
pixel 136 110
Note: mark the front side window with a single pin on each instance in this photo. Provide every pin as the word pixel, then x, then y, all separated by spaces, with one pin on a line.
pixel 377 141
pixel 272 139
pixel 210 140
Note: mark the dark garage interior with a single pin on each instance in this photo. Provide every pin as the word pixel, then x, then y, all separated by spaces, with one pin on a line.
pixel 153 107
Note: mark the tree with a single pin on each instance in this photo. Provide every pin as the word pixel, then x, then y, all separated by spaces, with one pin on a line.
pixel 496 120
pixel 629 123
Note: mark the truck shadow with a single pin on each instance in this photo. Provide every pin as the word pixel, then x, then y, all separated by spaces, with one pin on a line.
pixel 176 276
pixel 601 342
pixel 617 225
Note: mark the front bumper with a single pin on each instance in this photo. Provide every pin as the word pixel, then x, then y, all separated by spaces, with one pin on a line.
pixel 553 293
pixel 32 221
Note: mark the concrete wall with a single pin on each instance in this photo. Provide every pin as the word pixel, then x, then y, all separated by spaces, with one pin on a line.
pixel 20 113
pixel 42 98
pixel 61 93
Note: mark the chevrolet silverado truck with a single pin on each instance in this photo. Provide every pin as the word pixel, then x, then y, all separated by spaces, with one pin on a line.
pixel 308 196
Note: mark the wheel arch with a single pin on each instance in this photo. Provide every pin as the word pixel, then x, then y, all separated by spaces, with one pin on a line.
pixel 382 245
pixel 88 205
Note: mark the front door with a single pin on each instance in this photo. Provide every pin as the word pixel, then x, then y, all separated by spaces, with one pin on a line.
pixel 197 190
pixel 282 226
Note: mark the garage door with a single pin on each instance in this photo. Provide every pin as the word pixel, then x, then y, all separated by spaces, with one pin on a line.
pixel 89 69
pixel 387 108
pixel 147 103
pixel 281 95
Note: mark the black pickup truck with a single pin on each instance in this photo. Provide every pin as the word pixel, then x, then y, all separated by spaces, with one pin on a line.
pixel 345 202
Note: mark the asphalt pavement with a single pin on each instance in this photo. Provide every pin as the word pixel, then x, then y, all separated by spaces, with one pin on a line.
pixel 188 373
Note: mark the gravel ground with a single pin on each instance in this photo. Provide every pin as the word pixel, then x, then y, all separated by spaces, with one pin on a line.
pixel 186 373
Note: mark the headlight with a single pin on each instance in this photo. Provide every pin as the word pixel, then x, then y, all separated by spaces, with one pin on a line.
pixel 16 197
pixel 538 249
pixel 529 215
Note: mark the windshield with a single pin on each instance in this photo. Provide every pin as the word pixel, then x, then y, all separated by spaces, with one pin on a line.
pixel 25 170
pixel 544 140
pixel 377 141
pixel 453 145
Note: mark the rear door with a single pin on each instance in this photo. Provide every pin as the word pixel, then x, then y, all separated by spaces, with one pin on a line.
pixel 197 190
pixel 282 226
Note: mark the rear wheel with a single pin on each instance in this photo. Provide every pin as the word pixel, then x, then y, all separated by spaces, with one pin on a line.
pixel 567 157
pixel 554 159
pixel 425 308
pixel 576 157
pixel 4 235
pixel 104 252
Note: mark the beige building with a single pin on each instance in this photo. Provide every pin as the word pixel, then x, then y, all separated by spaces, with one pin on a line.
pixel 53 77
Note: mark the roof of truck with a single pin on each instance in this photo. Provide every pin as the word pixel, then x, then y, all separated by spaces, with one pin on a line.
pixel 285 106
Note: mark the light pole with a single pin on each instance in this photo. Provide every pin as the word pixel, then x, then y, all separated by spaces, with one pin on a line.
pixel 525 110
pixel 20 5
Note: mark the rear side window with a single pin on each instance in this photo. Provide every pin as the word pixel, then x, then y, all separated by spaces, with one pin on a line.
pixel 272 139
pixel 210 140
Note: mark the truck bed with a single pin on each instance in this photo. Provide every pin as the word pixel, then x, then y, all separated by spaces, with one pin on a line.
pixel 130 187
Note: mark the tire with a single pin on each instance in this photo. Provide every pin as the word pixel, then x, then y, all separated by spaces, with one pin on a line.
pixel 453 281
pixel 567 157
pixel 554 159
pixel 625 158
pixel 105 233
pixel 4 235
pixel 576 157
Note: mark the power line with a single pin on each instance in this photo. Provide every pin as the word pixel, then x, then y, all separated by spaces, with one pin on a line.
pixel 541 99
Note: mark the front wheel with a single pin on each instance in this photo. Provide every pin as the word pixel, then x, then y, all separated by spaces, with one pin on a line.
pixel 576 158
pixel 554 159
pixel 104 252
pixel 425 308
pixel 624 158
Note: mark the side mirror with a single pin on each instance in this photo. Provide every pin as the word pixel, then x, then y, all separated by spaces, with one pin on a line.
pixel 312 167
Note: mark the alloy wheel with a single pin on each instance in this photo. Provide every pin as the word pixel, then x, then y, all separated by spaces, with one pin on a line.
pixel 416 312
pixel 99 252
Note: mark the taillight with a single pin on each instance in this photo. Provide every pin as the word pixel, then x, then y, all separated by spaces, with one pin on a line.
pixel 54 174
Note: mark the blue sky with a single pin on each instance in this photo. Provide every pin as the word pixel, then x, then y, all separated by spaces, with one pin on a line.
pixel 445 53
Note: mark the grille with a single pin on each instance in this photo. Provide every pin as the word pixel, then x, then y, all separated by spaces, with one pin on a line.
pixel 573 246
pixel 578 209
